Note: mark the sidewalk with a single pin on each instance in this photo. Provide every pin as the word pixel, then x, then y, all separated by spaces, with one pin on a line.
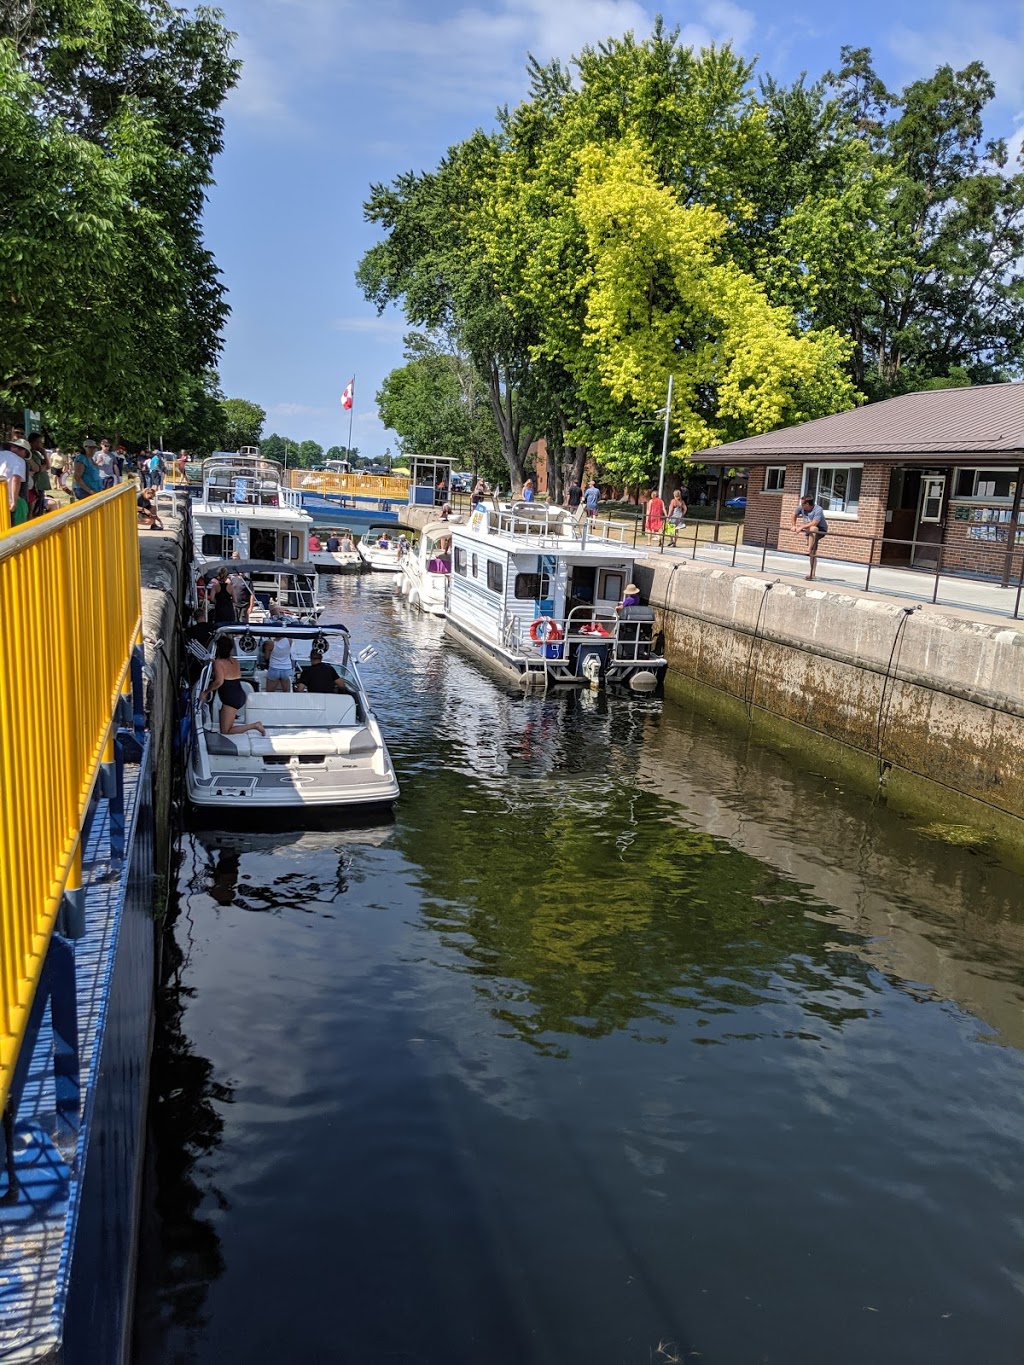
pixel 980 598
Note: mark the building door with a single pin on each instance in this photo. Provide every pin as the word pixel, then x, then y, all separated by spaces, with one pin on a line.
pixel 931 512
pixel 901 516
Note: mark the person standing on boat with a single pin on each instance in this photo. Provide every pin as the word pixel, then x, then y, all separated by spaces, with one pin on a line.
pixel 528 491
pixel 277 655
pixel 227 680
pixel 218 592
pixel 591 498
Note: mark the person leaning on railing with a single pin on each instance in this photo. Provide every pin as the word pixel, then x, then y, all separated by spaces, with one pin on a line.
pixel 87 477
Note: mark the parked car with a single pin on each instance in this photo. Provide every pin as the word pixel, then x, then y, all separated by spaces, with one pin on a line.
pixel 736 504
pixel 461 482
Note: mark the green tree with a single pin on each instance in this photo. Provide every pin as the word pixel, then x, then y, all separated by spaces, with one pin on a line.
pixel 109 120
pixel 243 423
pixel 309 454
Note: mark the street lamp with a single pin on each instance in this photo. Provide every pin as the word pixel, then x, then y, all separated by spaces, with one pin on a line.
pixel 664 441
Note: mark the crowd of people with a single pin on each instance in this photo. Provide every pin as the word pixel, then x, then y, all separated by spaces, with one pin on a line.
pixel 38 474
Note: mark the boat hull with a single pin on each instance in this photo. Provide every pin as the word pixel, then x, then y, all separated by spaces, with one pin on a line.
pixel 520 669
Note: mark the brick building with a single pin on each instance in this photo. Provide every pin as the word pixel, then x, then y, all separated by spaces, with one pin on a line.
pixel 914 481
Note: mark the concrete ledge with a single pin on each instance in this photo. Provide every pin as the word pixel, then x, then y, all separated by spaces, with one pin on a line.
pixel 930 690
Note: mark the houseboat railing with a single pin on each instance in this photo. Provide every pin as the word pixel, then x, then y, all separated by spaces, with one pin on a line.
pixel 707 537
pixel 70 620
pixel 247 480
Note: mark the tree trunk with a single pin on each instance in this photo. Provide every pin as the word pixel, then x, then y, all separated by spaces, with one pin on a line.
pixel 509 426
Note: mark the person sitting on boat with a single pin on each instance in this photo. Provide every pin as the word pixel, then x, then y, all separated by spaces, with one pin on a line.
pixel 320 677
pixel 277 656
pixel 333 544
pixel 281 616
pixel 528 491
pixel 383 543
pixel 346 547
pixel 227 680
pixel 314 543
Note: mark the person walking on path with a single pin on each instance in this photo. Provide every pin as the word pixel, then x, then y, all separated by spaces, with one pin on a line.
pixel 528 491
pixel 809 519
pixel 591 498
pixel 677 511
pixel 575 496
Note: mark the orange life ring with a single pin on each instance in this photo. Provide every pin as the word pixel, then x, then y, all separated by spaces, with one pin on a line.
pixel 545 631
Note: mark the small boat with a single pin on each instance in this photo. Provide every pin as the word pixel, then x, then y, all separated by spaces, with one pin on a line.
pixel 320 749
pixel 341 560
pixel 427 568
pixel 286 590
pixel 384 548
pixel 536 591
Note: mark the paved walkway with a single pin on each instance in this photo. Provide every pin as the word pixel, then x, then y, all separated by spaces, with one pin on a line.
pixel 979 598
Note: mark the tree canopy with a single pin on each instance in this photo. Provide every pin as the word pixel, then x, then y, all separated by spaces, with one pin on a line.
pixel 110 121
pixel 243 423
pixel 782 251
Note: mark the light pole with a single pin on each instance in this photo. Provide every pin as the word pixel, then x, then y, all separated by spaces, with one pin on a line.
pixel 664 441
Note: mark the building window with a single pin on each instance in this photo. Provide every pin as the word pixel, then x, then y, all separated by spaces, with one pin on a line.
pixel 531 587
pixel 931 498
pixel 460 560
pixel 995 484
pixel 495 576
pixel 775 478
pixel 835 487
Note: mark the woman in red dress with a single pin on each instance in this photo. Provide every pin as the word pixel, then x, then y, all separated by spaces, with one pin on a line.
pixel 655 513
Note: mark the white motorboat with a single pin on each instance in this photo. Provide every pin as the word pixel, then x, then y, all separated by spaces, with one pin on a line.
pixel 427 568
pixel 319 749
pixel 384 548
pixel 344 559
pixel 285 591
pixel 536 591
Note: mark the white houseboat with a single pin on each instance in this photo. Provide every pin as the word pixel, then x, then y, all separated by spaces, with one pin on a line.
pixel 427 568
pixel 537 592
pixel 247 513
pixel 317 748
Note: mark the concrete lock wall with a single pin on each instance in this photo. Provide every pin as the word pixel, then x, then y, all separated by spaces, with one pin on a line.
pixel 927 691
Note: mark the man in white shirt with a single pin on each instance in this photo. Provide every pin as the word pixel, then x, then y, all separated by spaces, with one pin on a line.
pixel 14 469
pixel 104 461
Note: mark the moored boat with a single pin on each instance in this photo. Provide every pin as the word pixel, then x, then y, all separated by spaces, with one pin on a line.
pixel 384 548
pixel 344 558
pixel 427 568
pixel 319 748
pixel 537 592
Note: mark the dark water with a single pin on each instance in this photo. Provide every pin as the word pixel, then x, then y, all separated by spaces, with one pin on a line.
pixel 626 1042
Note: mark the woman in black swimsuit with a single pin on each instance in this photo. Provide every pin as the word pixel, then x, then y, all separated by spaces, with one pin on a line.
pixel 227 680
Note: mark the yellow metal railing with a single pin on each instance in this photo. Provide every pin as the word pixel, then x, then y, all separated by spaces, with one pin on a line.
pixel 70 615
pixel 356 485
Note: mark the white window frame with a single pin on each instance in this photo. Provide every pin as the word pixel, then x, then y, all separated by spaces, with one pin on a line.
pixel 928 481
pixel 832 464
pixel 776 469
pixel 603 575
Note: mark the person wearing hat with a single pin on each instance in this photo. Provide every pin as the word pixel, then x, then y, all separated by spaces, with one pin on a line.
pixel 86 478
pixel 14 468
pixel 630 598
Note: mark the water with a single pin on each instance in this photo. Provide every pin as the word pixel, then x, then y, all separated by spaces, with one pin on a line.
pixel 626 1042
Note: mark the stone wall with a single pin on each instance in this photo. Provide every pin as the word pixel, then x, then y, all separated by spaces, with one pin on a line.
pixel 929 691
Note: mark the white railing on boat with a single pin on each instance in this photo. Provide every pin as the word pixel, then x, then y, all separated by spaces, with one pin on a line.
pixel 247 480
pixel 548 526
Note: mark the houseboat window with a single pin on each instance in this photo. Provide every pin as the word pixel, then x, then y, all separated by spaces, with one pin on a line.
pixel 531 587
pixel 214 545
pixel 262 543
pixel 289 546
pixel 472 565
pixel 835 487
pixel 986 483
pixel 495 576
pixel 460 560
pixel 610 585
pixel 775 478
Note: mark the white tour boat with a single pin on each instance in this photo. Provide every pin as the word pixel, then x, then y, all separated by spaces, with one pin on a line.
pixel 427 568
pixel 384 548
pixel 319 749
pixel 341 560
pixel 537 592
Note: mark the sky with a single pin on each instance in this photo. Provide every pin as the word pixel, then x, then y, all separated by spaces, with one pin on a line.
pixel 337 95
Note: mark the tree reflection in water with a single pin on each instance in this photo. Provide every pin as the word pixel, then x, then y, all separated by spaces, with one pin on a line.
pixel 180 1251
pixel 603 912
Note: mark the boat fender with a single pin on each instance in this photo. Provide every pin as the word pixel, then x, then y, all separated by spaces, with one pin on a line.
pixel 545 631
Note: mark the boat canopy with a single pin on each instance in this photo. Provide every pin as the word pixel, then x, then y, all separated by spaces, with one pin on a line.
pixel 259 566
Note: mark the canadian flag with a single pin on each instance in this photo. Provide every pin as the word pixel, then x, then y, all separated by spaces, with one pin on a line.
pixel 346 397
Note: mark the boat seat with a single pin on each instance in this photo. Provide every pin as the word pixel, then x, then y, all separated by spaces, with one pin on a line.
pixel 290 743
pixel 300 710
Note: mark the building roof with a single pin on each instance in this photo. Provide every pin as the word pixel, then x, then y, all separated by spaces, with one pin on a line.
pixel 986 419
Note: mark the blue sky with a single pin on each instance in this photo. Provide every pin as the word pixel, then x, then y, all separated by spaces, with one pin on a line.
pixel 336 95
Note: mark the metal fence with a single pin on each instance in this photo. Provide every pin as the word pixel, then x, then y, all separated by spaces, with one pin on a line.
pixel 70 616
pixel 352 485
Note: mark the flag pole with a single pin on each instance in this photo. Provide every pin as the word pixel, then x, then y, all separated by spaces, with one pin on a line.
pixel 351 414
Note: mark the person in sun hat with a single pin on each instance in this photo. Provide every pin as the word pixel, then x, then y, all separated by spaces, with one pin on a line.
pixel 86 476
pixel 14 468
pixel 630 598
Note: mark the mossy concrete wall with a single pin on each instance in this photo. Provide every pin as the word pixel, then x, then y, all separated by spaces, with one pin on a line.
pixel 930 692
pixel 162 555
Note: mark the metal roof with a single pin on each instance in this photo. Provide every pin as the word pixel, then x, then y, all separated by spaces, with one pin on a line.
pixel 986 419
